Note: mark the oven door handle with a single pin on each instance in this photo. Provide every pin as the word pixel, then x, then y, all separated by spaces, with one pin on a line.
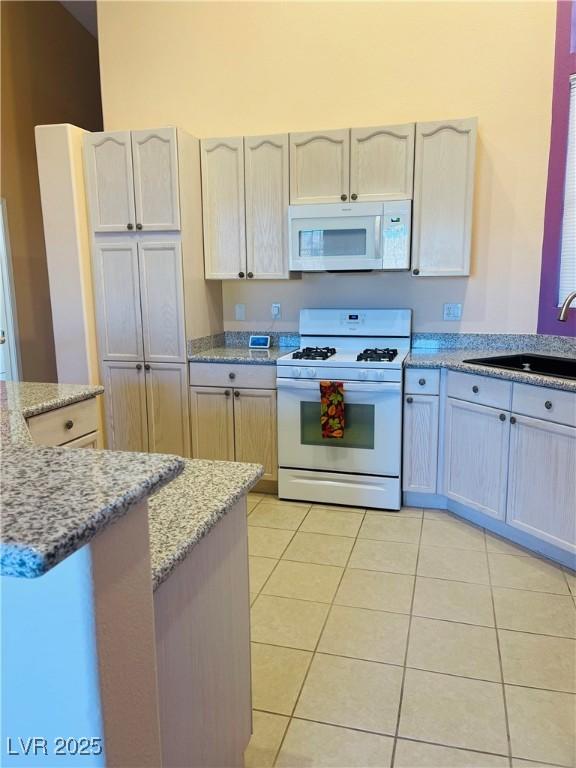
pixel 349 386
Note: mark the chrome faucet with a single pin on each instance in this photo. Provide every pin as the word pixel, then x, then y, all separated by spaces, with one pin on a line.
pixel 563 316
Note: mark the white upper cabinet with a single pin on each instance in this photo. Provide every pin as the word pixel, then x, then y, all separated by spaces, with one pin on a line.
pixel 382 163
pixel 132 180
pixel 267 199
pixel 109 181
pixel 223 207
pixel 443 196
pixel 117 300
pixel 320 166
pixel 162 296
pixel 155 160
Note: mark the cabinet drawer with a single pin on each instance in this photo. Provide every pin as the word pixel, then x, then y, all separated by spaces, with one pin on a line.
pixel 64 424
pixel 91 440
pixel 233 375
pixel 479 389
pixel 422 381
pixel 545 403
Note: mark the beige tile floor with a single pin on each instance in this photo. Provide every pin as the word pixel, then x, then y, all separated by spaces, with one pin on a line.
pixel 405 639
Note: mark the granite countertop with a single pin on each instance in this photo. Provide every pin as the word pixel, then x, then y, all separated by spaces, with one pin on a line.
pixel 55 500
pixel 32 398
pixel 240 355
pixel 453 360
pixel 187 509
pixel 21 400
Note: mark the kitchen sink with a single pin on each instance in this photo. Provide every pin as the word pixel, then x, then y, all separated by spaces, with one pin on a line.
pixel 544 365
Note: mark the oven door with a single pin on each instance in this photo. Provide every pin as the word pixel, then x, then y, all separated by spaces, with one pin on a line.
pixel 338 243
pixel 372 434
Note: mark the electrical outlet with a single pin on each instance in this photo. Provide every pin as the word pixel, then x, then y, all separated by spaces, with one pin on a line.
pixel 452 311
pixel 240 312
pixel 275 310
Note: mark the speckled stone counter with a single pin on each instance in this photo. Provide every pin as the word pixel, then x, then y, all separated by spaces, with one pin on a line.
pixel 32 398
pixel 55 500
pixel 187 509
pixel 240 355
pixel 453 360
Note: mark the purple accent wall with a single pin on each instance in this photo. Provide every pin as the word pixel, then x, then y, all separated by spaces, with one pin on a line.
pixel 564 66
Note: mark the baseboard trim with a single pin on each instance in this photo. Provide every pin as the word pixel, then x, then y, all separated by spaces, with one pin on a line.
pixel 498 527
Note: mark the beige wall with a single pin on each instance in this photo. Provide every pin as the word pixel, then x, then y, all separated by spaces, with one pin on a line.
pixel 218 68
pixel 49 75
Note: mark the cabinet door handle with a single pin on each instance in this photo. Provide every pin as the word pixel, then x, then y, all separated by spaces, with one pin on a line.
pixel 415 271
pixel 512 419
pixel 502 417
pixel 138 226
pixel 240 274
pixel 138 366
pixel 232 375
pixel 548 405
pixel 147 366
pixel 227 392
pixel 129 226
pixel 421 382
pixel 343 197
pixel 236 393
pixel 250 274
pixel 409 399
pixel 69 424
pixel 354 196
pixel 475 389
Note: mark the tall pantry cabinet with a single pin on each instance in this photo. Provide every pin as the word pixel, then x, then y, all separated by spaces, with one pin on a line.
pixel 136 182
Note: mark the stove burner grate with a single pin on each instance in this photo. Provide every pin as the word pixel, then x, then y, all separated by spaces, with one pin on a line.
pixel 377 355
pixel 314 353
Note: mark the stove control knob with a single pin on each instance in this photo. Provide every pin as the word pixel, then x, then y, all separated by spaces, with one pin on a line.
pixel 297 372
pixel 311 372
pixel 363 375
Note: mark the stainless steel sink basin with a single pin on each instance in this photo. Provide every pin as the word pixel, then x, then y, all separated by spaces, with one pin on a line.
pixel 545 365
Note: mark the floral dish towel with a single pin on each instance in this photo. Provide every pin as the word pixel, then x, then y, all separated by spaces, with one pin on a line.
pixel 332 409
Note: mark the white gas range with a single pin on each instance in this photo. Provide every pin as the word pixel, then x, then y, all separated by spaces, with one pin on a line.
pixel 365 350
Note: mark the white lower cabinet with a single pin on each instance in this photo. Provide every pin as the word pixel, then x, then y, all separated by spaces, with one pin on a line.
pixel 476 442
pixel 167 408
pixel 255 429
pixel 146 407
pixel 420 445
pixel 212 423
pixel 235 425
pixel 542 480
pixel 125 400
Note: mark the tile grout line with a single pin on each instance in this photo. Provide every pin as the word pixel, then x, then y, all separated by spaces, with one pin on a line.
pixel 332 603
pixel 405 667
pixel 328 612
pixel 277 559
pixel 417 669
pixel 506 720
pixel 414 740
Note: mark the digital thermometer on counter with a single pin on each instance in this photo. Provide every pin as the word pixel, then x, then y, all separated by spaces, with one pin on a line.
pixel 259 342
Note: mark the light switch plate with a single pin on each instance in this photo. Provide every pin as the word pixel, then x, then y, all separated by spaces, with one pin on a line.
pixel 240 312
pixel 452 311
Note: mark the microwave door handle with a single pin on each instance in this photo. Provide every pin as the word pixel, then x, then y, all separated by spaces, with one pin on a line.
pixel 377 239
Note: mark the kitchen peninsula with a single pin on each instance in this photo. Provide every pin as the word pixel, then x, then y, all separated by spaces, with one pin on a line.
pixel 116 607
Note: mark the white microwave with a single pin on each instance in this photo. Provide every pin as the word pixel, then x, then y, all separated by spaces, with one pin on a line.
pixel 357 236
